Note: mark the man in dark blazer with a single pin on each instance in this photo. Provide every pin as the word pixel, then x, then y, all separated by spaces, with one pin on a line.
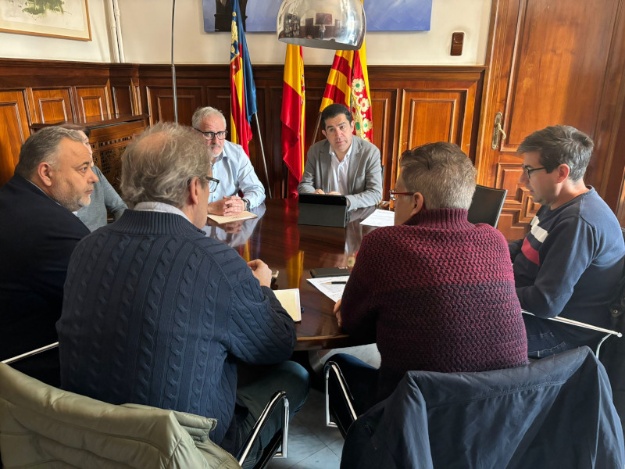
pixel 343 163
pixel 53 178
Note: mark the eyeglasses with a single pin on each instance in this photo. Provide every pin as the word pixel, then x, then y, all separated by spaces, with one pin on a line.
pixel 211 135
pixel 528 170
pixel 394 194
pixel 212 183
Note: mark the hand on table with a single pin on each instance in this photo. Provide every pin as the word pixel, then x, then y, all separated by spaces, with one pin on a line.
pixel 337 313
pixel 228 206
pixel 320 191
pixel 261 271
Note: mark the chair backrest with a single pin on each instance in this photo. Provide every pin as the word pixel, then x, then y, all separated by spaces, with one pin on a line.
pixel 40 424
pixel 486 205
pixel 554 412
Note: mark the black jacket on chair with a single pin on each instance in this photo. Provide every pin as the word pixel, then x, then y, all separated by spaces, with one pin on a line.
pixel 556 412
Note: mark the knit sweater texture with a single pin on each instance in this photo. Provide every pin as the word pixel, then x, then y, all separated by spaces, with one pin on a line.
pixel 435 294
pixel 570 264
pixel 156 313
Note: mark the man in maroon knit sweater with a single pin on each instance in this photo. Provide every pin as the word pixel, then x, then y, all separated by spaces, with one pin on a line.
pixel 435 292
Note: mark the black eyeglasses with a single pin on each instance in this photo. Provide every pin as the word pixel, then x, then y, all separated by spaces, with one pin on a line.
pixel 394 194
pixel 212 183
pixel 211 135
pixel 528 170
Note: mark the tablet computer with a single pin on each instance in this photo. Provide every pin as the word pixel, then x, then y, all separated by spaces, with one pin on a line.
pixel 323 210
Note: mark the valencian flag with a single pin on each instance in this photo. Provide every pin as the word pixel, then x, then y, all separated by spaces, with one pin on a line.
pixel 348 84
pixel 242 87
pixel 292 116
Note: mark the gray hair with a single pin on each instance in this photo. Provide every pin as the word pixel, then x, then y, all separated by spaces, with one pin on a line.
pixel 442 173
pixel 202 113
pixel 159 164
pixel 560 144
pixel 43 146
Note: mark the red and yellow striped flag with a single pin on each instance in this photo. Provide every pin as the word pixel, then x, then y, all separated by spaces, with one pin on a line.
pixel 348 84
pixel 293 116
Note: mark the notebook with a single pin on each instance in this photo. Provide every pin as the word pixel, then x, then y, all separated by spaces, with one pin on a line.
pixel 323 210
pixel 289 299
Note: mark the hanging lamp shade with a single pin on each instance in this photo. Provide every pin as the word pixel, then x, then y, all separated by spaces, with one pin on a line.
pixel 323 24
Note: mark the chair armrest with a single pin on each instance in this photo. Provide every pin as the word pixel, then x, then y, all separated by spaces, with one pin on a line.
pixel 31 353
pixel 274 402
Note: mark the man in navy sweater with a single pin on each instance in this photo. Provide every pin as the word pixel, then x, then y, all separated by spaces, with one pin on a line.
pixel 570 262
pixel 157 313
pixel 53 177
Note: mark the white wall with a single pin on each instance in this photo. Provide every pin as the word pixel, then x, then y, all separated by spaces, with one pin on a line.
pixel 20 46
pixel 146 29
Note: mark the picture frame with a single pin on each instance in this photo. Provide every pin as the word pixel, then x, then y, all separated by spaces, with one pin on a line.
pixel 67 19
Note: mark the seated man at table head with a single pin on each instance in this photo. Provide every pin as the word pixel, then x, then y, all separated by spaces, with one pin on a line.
pixel 104 198
pixel 173 310
pixel 571 261
pixel 231 166
pixel 435 292
pixel 52 179
pixel 343 163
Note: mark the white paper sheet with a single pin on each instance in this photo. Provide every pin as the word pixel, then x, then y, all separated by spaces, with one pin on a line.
pixel 332 287
pixel 380 218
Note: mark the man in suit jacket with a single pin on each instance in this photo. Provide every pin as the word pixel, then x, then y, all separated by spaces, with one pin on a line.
pixel 53 178
pixel 343 163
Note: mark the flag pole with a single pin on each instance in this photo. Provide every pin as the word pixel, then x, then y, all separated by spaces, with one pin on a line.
pixel 173 65
pixel 262 152
pixel 314 135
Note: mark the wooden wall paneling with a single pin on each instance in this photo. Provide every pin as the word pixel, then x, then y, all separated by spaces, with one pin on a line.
pixel 124 102
pixel 161 103
pixel 124 84
pixel 13 131
pixel 385 134
pixel 51 105
pixel 93 103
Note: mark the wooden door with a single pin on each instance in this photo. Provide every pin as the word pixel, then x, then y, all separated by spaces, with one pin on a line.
pixel 550 62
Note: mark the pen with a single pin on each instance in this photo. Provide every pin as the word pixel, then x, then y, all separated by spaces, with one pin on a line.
pixel 338 283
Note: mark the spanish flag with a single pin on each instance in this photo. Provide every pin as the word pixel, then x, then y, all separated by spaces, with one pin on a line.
pixel 293 116
pixel 242 87
pixel 348 84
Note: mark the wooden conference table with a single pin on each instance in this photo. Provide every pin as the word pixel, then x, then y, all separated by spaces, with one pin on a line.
pixel 293 250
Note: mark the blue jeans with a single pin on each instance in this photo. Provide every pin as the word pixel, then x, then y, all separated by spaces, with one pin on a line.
pixel 256 385
pixel 543 340
pixel 362 381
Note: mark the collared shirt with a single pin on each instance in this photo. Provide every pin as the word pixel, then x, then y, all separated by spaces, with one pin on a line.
pixel 235 172
pixel 339 171
pixel 159 207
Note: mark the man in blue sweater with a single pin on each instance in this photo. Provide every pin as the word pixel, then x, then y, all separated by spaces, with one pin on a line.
pixel 570 262
pixel 157 313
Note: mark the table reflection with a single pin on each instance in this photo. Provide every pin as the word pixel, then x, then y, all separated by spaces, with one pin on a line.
pixel 293 250
pixel 235 233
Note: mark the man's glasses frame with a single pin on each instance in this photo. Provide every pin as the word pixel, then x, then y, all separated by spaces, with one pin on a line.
pixel 212 183
pixel 528 170
pixel 393 194
pixel 211 135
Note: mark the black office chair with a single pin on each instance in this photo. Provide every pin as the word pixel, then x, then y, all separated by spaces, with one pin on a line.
pixel 486 205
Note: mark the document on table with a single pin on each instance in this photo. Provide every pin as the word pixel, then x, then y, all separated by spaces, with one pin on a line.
pixel 380 218
pixel 332 287
pixel 220 220
pixel 289 298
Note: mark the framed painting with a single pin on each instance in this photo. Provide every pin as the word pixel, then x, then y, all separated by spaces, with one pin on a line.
pixel 260 15
pixel 52 18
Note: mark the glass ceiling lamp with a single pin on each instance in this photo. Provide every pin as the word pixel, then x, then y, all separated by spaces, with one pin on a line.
pixel 323 24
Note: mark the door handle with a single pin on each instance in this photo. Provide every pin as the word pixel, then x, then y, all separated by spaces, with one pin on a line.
pixel 498 133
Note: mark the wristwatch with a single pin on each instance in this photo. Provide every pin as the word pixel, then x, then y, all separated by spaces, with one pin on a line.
pixel 247 203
